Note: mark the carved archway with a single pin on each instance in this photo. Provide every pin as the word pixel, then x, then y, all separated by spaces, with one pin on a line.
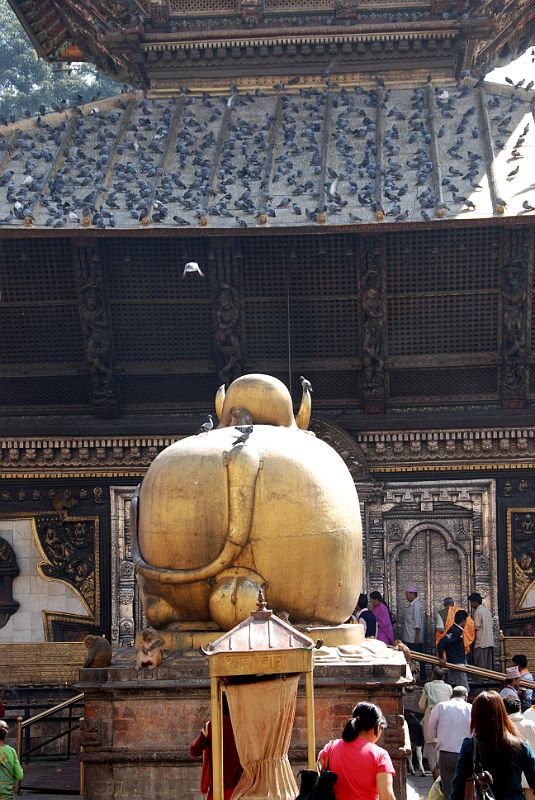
pixel 430 557
pixel 344 444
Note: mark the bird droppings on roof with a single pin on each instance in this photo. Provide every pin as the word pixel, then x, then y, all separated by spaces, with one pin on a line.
pixel 332 156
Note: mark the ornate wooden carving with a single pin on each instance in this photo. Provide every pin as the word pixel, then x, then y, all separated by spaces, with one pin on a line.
pixel 373 325
pixel 387 450
pixel 382 450
pixel 159 14
pixel 252 11
pixel 514 277
pixel 96 329
pixel 9 569
pixel 345 446
pixel 224 277
pixel 70 550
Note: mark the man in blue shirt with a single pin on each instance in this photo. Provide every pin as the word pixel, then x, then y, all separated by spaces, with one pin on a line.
pixel 452 646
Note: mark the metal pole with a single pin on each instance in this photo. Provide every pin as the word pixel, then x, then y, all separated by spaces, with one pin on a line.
pixel 217 739
pixel 483 673
pixel 19 749
pixel 311 725
pixel 82 764
pixel 69 734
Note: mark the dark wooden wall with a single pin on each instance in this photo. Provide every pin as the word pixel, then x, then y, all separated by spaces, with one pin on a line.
pixel 377 322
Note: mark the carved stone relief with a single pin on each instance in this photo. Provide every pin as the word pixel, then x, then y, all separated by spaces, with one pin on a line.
pixel 126 612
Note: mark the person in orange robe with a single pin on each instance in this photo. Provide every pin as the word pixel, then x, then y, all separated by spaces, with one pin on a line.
pixel 445 618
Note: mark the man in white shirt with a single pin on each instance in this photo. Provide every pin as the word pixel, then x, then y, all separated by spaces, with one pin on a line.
pixel 525 729
pixel 413 625
pixel 434 692
pixel 449 724
pixel 484 641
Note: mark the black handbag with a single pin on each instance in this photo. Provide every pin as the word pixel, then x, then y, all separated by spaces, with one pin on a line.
pixel 478 786
pixel 317 785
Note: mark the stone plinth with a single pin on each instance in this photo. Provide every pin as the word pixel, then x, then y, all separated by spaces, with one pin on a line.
pixel 139 725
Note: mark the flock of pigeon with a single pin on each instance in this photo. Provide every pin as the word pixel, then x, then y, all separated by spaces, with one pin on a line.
pixel 294 156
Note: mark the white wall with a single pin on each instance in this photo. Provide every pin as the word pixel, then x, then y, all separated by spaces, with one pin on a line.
pixel 34 593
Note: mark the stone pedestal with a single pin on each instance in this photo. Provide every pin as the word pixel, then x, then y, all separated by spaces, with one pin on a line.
pixel 139 725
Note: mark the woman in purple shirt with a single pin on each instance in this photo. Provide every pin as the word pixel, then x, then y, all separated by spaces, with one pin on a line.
pixel 385 631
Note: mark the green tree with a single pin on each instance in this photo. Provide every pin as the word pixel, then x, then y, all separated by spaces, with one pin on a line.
pixel 26 81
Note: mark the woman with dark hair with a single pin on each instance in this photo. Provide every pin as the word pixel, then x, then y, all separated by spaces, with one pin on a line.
pixel 499 750
pixel 364 770
pixel 381 612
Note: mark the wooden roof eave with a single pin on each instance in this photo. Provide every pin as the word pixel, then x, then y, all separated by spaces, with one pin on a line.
pixel 448 28
pixel 29 30
pixel 33 232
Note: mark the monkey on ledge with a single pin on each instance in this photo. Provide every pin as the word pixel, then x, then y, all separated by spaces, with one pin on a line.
pixel 98 652
pixel 150 649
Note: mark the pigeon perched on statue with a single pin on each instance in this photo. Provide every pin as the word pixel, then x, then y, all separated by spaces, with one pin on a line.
pixel 207 425
pixel 245 433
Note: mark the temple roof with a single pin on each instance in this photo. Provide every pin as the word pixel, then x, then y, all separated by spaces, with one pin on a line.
pixel 160 41
pixel 274 159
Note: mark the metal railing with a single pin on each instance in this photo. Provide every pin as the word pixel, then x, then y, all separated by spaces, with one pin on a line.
pixel 488 674
pixel 25 724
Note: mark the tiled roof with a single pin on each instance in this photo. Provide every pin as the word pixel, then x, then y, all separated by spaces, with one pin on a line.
pixel 281 159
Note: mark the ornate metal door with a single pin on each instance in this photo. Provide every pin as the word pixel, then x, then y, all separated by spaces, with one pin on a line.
pixel 437 571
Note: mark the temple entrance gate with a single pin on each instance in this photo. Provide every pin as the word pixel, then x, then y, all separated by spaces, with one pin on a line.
pixel 438 569
pixel 439 535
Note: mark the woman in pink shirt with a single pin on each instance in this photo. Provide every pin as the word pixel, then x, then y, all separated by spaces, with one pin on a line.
pixel 385 629
pixel 364 770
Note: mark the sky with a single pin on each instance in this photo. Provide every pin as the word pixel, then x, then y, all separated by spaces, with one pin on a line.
pixel 523 67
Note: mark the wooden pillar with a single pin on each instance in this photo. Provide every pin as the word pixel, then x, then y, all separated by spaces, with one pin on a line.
pixel 96 327
pixel 516 277
pixel 373 325
pixel 225 267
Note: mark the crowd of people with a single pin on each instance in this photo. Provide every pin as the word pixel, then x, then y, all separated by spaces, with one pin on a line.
pixel 490 733
pixel 458 635
pixel 497 730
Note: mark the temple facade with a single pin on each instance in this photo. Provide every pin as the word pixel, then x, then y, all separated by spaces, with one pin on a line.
pixel 360 204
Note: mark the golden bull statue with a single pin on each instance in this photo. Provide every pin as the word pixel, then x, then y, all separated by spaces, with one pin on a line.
pixel 257 502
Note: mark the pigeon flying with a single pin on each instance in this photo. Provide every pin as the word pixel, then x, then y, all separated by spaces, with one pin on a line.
pixel 192 267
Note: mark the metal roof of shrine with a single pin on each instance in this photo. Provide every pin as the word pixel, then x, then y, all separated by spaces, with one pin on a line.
pixel 261 631
pixel 281 157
